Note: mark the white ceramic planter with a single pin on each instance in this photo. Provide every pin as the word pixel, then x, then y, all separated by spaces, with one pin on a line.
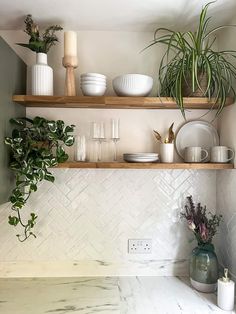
pixel 41 76
pixel 167 152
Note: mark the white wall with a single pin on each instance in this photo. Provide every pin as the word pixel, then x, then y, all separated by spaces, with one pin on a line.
pixel 84 204
pixel 111 53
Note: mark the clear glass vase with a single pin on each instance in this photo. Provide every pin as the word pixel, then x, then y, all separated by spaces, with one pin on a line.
pixel 204 268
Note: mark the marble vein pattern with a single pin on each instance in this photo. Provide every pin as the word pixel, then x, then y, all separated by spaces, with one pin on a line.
pixel 69 295
pixel 88 215
pixel 104 295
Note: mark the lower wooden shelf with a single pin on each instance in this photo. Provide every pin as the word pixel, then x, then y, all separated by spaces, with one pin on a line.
pixel 128 165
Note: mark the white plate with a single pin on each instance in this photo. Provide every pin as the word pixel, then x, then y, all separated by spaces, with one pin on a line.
pixel 141 155
pixel 196 133
pixel 138 159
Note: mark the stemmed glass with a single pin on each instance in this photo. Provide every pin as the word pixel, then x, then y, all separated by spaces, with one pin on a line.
pixel 98 135
pixel 115 135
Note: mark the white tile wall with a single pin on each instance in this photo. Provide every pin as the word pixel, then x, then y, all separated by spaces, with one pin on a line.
pixel 89 215
pixel 226 205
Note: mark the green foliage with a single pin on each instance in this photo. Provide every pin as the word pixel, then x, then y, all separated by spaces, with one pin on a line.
pixel 190 56
pixel 37 42
pixel 36 145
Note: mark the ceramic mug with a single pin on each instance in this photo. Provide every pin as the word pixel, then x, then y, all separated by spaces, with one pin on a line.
pixel 194 154
pixel 220 154
pixel 167 152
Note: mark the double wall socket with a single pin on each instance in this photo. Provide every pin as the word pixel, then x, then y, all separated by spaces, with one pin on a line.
pixel 140 246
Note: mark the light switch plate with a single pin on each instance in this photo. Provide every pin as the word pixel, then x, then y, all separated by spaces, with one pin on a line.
pixel 140 246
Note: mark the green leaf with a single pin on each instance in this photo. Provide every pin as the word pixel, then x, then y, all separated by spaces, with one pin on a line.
pixel 8 141
pixel 13 220
pixel 49 177
pixel 52 126
pixel 69 128
pixel 33 187
pixel 17 122
pixel 69 140
pixel 62 158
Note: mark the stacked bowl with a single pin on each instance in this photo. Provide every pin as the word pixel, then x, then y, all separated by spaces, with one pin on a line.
pixel 93 84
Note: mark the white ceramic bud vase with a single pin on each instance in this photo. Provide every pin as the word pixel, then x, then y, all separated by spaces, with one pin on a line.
pixel 41 76
pixel 167 152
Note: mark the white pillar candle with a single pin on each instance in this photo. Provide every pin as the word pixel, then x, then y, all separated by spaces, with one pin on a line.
pixel 70 44
pixel 225 293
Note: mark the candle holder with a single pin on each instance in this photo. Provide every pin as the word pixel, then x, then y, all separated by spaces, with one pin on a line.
pixel 70 63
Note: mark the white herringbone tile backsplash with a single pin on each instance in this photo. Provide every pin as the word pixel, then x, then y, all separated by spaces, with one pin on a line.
pixel 91 214
pixel 226 205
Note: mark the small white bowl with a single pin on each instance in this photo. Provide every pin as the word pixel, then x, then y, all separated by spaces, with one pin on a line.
pixel 92 80
pixel 93 90
pixel 93 84
pixel 93 75
pixel 133 85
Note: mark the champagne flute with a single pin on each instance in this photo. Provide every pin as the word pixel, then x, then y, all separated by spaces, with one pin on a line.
pixel 115 135
pixel 98 135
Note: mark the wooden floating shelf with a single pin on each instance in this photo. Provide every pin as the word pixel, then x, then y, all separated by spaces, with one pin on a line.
pixel 127 165
pixel 110 102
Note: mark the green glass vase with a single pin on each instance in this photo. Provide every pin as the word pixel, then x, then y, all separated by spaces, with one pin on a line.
pixel 204 268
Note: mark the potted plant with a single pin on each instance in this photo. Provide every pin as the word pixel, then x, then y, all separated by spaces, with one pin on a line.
pixel 41 73
pixel 191 66
pixel 203 261
pixel 35 145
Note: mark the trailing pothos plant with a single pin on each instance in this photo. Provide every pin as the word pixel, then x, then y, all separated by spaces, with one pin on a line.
pixel 36 145
pixel 191 61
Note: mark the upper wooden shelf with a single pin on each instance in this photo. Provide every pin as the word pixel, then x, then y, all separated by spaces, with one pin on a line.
pixel 111 102
pixel 135 165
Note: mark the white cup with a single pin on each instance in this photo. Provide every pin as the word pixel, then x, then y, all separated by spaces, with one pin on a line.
pixel 194 154
pixel 220 154
pixel 167 152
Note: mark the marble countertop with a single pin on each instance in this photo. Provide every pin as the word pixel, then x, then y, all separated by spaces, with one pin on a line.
pixel 104 295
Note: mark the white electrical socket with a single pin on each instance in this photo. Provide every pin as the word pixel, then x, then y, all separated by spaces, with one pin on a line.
pixel 140 246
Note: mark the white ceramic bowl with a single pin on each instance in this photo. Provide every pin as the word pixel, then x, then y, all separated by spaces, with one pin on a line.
pixel 89 80
pixel 93 83
pixel 92 80
pixel 93 90
pixel 133 85
pixel 93 75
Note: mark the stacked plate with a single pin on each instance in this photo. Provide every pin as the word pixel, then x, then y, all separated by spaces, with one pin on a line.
pixel 93 84
pixel 141 157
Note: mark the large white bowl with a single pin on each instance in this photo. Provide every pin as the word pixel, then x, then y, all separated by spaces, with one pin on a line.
pixel 93 90
pixel 133 85
pixel 93 75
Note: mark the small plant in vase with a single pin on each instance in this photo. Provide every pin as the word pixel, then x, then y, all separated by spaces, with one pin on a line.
pixel 35 145
pixel 166 146
pixel 203 261
pixel 42 74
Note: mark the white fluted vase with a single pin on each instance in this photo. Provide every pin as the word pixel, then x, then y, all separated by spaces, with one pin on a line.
pixel 41 76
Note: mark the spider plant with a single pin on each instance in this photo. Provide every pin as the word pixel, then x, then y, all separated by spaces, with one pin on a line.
pixel 189 57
